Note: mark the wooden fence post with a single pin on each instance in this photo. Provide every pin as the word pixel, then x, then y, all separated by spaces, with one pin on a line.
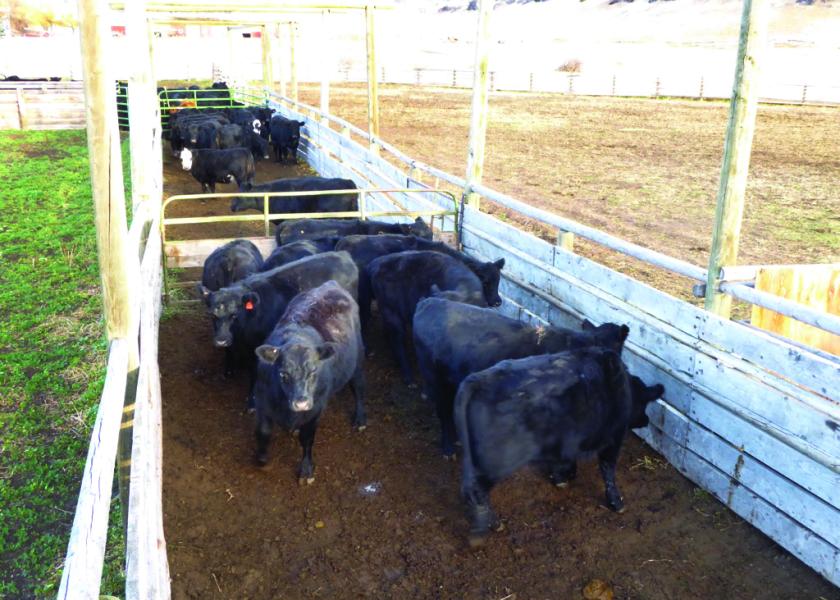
pixel 326 71
pixel 702 85
pixel 268 71
pixel 613 85
pixel 736 154
pixel 373 92
pixel 292 61
pixel 19 94
pixel 530 82
pixel 566 240
pixel 804 93
pixel 480 104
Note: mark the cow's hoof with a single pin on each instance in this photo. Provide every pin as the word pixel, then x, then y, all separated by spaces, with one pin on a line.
pixel 476 539
pixel 306 480
pixel 360 428
pixel 561 484
pixel 449 457
pixel 260 460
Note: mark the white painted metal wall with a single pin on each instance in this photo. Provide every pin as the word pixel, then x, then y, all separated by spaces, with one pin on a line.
pixel 747 416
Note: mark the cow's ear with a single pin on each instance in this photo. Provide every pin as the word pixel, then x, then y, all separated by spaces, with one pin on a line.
pixel 499 264
pixel 624 332
pixel 268 354
pixel 325 351
pixel 301 123
pixel 587 325
pixel 435 290
pixel 250 301
pixel 419 220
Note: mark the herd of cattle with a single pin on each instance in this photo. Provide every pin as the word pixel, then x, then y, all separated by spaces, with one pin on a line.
pixel 510 393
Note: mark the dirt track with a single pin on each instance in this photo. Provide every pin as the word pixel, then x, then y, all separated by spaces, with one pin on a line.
pixel 235 531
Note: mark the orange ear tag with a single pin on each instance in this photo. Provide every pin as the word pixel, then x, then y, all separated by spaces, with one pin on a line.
pixel 249 305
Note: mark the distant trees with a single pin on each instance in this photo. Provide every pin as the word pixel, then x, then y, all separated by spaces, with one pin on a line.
pixel 20 16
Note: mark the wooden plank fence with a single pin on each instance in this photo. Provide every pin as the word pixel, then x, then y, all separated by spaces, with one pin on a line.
pixel 750 417
pixel 42 105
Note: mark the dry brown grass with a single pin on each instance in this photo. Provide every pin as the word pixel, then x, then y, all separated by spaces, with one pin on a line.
pixel 645 170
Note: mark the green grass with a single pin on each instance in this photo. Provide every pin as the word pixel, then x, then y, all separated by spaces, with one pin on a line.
pixel 53 354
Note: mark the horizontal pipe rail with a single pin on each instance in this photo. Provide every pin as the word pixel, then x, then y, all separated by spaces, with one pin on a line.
pixel 789 308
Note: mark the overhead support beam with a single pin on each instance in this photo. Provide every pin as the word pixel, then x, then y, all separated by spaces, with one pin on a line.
pixel 373 90
pixel 281 68
pixel 480 105
pixel 255 7
pixel 736 154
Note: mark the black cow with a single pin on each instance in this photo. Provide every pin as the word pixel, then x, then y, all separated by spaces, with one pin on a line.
pixel 225 266
pixel 399 281
pixel 297 250
pixel 550 410
pixel 300 204
pixel 285 137
pixel 209 166
pixel 291 231
pixel 246 312
pixel 364 249
pixel 314 351
pixel 453 340
pixel 246 118
pixel 237 136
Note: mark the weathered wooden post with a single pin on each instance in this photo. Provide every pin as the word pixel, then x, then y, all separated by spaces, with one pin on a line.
pixel 326 70
pixel 373 91
pixel 293 64
pixel 736 154
pixel 268 72
pixel 478 120
pixel 83 566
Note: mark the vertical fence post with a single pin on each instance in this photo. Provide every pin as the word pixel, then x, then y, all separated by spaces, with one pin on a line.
pixel 736 153
pixel 265 216
pixel 417 76
pixel 19 94
pixel 613 85
pixel 656 89
pixel 268 72
pixel 530 82
pixel 363 205
pixel 566 240
pixel 454 78
pixel 373 92
pixel 326 72
pixel 292 60
pixel 480 104
pixel 281 69
pixel 492 80
pixel 571 83
pixel 804 93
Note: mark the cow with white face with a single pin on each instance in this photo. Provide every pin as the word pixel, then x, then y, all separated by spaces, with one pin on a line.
pixel 210 166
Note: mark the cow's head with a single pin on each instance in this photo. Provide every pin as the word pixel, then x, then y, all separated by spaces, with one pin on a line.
pixel 608 335
pixel 295 367
pixel 642 395
pixel 418 229
pixel 238 204
pixel 256 126
pixel 490 273
pixel 186 159
pixel 228 305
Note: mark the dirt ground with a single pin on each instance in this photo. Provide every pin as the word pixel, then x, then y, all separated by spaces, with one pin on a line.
pixel 383 518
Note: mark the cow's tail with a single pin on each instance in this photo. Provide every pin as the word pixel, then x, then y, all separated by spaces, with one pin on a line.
pixel 468 472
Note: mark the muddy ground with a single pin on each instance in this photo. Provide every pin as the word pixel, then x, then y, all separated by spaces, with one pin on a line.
pixel 383 518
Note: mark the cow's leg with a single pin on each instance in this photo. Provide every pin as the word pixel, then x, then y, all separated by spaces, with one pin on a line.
pixel 562 472
pixel 212 186
pixel 444 405
pixel 357 386
pixel 263 435
pixel 306 472
pixel 364 306
pixel 475 491
pixel 252 381
pixel 230 362
pixel 395 332
pixel 607 459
